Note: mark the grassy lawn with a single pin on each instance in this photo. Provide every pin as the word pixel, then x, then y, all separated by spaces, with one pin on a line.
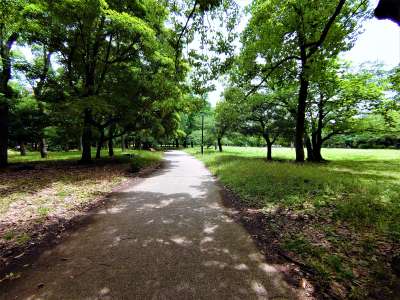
pixel 341 218
pixel 35 191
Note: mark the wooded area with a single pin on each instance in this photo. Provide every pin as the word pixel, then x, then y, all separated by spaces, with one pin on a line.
pixel 101 72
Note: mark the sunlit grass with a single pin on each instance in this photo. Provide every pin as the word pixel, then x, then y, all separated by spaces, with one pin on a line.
pixel 34 156
pixel 361 186
pixel 341 218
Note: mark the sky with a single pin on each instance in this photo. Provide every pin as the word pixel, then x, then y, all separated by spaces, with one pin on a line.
pixel 379 41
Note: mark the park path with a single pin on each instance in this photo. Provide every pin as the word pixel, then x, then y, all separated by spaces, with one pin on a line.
pixel 166 237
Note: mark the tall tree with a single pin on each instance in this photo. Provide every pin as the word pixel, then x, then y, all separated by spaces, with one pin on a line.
pixel 292 35
pixel 10 29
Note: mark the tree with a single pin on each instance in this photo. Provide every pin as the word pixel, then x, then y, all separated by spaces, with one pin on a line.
pixel 95 39
pixel 226 117
pixel 292 35
pixel 11 22
pixel 337 97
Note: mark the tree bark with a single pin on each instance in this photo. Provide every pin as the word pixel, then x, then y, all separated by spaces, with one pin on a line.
pixel 43 148
pixel 87 137
pixel 177 143
pixel 22 148
pixel 300 118
pixel 317 156
pixel 219 144
pixel 111 141
pixel 123 143
pixel 310 152
pixel 269 145
pixel 100 144
pixel 110 147
pixel 269 151
pixel 5 76
pixel 3 134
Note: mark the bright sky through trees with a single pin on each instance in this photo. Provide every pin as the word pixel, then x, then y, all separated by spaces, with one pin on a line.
pixel 380 41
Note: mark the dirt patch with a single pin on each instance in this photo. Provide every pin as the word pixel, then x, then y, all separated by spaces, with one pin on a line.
pixel 25 230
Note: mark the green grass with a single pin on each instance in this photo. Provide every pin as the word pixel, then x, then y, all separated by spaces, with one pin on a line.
pixel 352 203
pixel 362 185
pixel 15 156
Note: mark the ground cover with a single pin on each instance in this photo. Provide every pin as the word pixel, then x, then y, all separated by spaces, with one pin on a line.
pixel 340 220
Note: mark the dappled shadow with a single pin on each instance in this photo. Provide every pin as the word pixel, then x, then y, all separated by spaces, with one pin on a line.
pixel 36 176
pixel 151 244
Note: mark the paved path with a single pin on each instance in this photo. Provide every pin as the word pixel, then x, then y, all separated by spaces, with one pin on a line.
pixel 166 237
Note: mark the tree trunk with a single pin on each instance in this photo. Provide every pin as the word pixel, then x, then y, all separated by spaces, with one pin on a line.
pixel 127 144
pixel 177 143
pixel 22 148
pixel 43 148
pixel 185 142
pixel 219 144
pixel 310 152
pixel 269 151
pixel 80 146
pixel 110 147
pixel 123 143
pixel 191 144
pixel 111 141
pixel 5 76
pixel 87 137
pixel 300 118
pixel 317 156
pixel 269 145
pixel 100 144
pixel 3 134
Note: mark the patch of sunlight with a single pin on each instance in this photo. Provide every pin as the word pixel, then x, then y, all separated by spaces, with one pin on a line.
pixel 146 242
pixel 259 289
pixel 267 268
pixel 116 241
pixel 256 257
pixel 113 210
pixel 104 291
pixel 161 241
pixel 162 204
pixel 215 263
pixel 214 205
pixel 167 221
pixel 209 228
pixel 241 267
pixel 181 240
pixel 207 239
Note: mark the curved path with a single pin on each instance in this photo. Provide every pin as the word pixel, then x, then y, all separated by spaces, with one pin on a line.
pixel 167 237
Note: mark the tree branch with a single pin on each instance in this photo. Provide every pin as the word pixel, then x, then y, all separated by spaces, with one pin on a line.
pixel 315 45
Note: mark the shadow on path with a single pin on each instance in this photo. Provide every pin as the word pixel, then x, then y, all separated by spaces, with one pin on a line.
pixel 167 237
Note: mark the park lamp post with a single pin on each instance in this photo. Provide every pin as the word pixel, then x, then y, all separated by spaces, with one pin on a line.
pixel 202 132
